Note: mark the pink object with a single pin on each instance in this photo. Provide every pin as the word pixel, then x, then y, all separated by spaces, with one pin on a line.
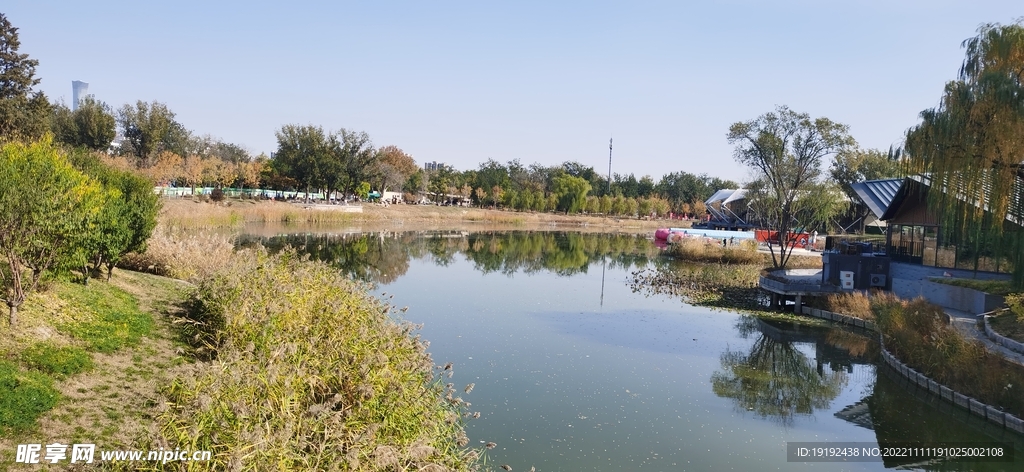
pixel 661 233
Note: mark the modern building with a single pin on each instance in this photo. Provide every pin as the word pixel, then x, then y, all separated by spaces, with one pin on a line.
pixel 79 90
pixel 434 165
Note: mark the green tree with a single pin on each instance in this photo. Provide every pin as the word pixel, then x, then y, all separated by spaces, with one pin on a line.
pixel 149 128
pixel 47 210
pixel 91 125
pixel 785 149
pixel 24 113
pixel 304 153
pixel 571 193
pixel 972 143
pixel 127 218
pixel 354 153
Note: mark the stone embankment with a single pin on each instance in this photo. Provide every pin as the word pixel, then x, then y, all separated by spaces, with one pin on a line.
pixel 975 407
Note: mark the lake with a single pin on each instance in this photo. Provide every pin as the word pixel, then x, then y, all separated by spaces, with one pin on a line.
pixel 574 370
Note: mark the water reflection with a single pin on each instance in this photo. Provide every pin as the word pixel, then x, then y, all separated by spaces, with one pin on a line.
pixel 773 378
pixel 382 257
pixel 634 379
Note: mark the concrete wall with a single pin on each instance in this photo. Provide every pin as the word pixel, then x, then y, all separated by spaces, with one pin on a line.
pixel 960 298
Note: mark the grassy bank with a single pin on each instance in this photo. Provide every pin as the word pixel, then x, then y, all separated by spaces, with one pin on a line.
pixel 86 363
pixel 309 372
pixel 266 360
pixel 192 215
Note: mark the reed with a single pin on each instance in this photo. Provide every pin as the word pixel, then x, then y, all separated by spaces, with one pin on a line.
pixel 702 250
pixel 195 214
pixel 181 254
pixel 855 304
pixel 915 331
pixel 307 371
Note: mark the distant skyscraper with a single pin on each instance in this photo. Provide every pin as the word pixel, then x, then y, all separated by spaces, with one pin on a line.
pixel 79 90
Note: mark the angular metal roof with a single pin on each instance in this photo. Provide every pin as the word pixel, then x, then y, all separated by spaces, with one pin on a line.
pixel 877 194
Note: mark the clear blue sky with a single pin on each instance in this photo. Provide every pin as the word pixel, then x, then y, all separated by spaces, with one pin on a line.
pixel 542 81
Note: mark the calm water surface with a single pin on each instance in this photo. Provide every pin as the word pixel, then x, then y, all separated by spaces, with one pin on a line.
pixel 573 371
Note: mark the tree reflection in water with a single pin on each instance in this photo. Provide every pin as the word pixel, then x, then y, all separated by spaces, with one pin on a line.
pixel 382 257
pixel 774 379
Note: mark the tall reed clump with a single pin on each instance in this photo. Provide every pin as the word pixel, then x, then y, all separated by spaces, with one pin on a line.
pixel 188 214
pixel 308 371
pixel 701 250
pixel 855 304
pixel 916 332
pixel 182 255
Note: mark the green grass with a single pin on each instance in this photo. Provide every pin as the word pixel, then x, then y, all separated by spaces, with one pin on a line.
pixel 104 317
pixel 993 287
pixel 57 361
pixel 24 396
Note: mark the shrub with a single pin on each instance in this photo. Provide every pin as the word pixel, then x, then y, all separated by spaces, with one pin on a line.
pixel 1016 303
pixel 217 195
pixel 56 360
pixel 916 333
pixel 308 370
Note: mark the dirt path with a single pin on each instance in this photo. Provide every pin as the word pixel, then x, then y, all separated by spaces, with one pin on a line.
pixel 115 405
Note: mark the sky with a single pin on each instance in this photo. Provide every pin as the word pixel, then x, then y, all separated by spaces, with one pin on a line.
pixel 550 81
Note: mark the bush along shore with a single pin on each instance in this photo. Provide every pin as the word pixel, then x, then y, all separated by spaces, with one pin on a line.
pixel 915 333
pixel 304 369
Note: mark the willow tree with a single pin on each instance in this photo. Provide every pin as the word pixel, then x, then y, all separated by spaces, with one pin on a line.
pixel 971 147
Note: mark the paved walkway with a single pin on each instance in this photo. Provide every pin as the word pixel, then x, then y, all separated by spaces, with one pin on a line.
pixel 967 324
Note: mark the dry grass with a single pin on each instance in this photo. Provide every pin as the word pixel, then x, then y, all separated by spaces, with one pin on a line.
pixel 703 250
pixel 233 214
pixel 182 255
pixel 855 304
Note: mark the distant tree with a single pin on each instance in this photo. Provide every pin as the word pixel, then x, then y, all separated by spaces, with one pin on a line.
pixel 414 184
pixel 571 192
pixel 250 173
pixel 193 171
pixel 306 155
pixel 480 196
pixel 24 113
pixel 785 150
pixel 91 125
pixel 47 209
pixel 149 128
pixel 440 180
pixel 355 157
pixel 496 193
pixel 166 168
pixel 394 167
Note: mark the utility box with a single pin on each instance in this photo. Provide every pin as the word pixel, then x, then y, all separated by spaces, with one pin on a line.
pixel 856 271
